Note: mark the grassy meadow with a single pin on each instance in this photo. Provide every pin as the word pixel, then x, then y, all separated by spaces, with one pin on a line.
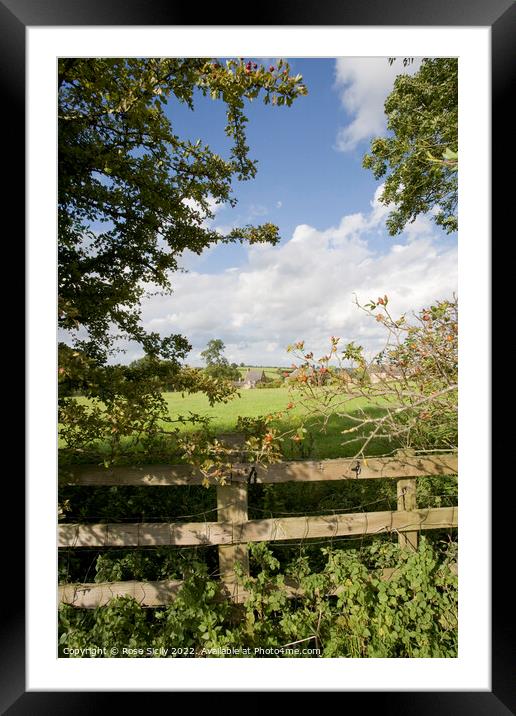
pixel 321 441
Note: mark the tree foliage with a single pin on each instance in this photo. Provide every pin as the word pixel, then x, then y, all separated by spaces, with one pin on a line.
pixel 132 193
pixel 411 615
pixel 213 354
pixel 132 196
pixel 419 157
pixel 217 365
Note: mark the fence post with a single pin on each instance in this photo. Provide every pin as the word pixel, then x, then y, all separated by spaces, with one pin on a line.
pixel 406 494
pixel 232 507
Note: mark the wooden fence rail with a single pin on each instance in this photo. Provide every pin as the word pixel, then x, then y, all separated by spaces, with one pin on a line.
pixel 233 530
pixel 161 593
pixel 184 534
pixel 297 471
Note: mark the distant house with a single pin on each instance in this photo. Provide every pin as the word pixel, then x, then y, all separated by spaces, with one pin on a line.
pixel 380 373
pixel 253 377
pixel 304 374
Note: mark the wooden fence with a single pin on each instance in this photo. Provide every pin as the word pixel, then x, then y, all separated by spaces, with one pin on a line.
pixel 233 530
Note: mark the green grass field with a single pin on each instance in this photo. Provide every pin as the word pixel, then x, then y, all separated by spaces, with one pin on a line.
pixel 249 403
pixel 319 442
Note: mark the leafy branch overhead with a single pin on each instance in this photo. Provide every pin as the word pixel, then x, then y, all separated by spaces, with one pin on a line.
pixel 419 157
pixel 133 194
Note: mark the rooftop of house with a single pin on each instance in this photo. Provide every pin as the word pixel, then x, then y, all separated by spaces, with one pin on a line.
pixel 254 374
pixel 384 369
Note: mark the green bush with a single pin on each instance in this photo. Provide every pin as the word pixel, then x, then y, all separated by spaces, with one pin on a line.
pixel 346 609
pixel 272 383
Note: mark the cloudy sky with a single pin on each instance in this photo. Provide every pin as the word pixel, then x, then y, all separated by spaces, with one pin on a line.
pixel 334 243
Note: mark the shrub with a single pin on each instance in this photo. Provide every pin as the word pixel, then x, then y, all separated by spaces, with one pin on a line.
pixel 412 382
pixel 271 383
pixel 345 610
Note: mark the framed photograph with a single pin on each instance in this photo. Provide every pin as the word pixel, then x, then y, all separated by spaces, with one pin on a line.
pixel 353 55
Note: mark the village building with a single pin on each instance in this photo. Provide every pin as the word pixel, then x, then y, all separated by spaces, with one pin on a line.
pixel 253 377
pixel 379 373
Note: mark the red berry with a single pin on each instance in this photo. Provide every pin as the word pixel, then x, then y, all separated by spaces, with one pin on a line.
pixel 271 69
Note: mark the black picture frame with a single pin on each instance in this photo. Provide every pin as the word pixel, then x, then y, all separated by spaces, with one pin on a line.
pixel 500 16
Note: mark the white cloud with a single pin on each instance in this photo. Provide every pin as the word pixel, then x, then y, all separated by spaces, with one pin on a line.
pixel 363 84
pixel 257 210
pixel 279 204
pixel 304 289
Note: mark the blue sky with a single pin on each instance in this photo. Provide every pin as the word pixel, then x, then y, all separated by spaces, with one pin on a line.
pixel 295 149
pixel 311 183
